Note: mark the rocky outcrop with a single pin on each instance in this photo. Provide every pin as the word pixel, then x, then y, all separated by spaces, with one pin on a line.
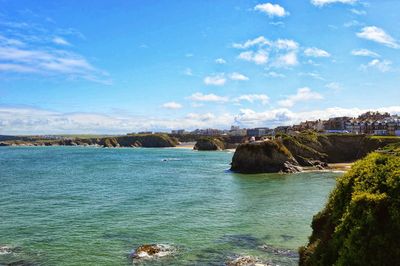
pixel 307 149
pixel 264 157
pixel 245 261
pixel 142 140
pixel 148 141
pixel 209 144
pixel 151 251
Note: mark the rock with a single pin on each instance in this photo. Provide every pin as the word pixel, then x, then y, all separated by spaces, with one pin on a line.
pixel 6 250
pixel 209 144
pixel 264 157
pixel 245 261
pixel 3 144
pixel 150 251
pixel 280 252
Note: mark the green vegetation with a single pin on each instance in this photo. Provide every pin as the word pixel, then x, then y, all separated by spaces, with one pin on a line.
pixel 209 143
pixel 360 224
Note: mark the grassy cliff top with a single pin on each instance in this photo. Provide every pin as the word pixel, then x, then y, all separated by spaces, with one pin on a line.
pixel 360 225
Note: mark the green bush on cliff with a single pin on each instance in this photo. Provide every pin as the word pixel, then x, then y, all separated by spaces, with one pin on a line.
pixel 360 224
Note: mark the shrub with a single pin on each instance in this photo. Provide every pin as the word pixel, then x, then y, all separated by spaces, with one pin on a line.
pixel 360 225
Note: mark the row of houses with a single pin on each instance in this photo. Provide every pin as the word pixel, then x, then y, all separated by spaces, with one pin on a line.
pixel 371 123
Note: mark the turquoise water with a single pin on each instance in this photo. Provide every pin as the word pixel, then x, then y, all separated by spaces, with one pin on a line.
pixel 92 206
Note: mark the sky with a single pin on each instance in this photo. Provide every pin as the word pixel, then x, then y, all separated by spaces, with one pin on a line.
pixel 127 66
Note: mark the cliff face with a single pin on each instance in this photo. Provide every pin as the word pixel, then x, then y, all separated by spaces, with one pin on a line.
pixel 333 148
pixel 360 225
pixel 309 149
pixel 209 144
pixel 263 157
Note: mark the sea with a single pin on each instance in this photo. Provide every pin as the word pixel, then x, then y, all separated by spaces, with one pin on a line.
pixel 95 206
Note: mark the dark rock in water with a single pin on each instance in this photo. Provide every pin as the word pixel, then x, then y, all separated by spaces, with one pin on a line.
pixel 243 241
pixel 5 249
pixel 264 157
pixel 245 261
pixel 2 144
pixel 209 144
pixel 20 263
pixel 150 251
pixel 287 237
pixel 280 252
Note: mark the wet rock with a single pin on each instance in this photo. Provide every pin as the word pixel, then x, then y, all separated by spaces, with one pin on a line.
pixel 245 261
pixel 280 252
pixel 287 237
pixel 6 250
pixel 150 251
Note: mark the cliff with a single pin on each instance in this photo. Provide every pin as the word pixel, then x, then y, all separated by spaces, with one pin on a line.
pixel 312 149
pixel 360 224
pixel 209 144
pixel 263 157
pixel 139 140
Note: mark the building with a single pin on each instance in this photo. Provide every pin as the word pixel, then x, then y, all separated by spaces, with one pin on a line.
pixel 178 132
pixel 336 123
pixel 258 132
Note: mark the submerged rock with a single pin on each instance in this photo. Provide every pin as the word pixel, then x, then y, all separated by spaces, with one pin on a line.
pixel 280 252
pixel 151 251
pixel 4 250
pixel 245 261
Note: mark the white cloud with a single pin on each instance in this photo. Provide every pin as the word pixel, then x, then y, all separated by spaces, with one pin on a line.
pixel 378 35
pixel 16 68
pixel 358 12
pixel 316 52
pixel 312 75
pixel 321 3
pixel 353 23
pixel 216 80
pixel 285 44
pixel 188 72
pixel 364 52
pixel 274 74
pixel 15 121
pixel 303 94
pixel 286 60
pixel 220 61
pixel 238 76
pixel 200 97
pixel 272 10
pixel 264 99
pixel 334 86
pixel 20 57
pixel 259 41
pixel 284 116
pixel 60 41
pixel 10 42
pixel 172 105
pixel 381 65
pixel 260 57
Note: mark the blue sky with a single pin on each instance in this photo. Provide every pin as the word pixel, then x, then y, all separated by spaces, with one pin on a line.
pixel 123 66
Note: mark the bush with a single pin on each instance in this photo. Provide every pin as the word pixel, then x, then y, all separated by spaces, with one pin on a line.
pixel 360 224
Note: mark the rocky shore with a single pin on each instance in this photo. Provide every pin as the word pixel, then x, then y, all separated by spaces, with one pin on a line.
pixel 137 140
pixel 308 150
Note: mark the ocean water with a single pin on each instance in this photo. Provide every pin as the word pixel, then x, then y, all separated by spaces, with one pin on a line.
pixel 92 206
